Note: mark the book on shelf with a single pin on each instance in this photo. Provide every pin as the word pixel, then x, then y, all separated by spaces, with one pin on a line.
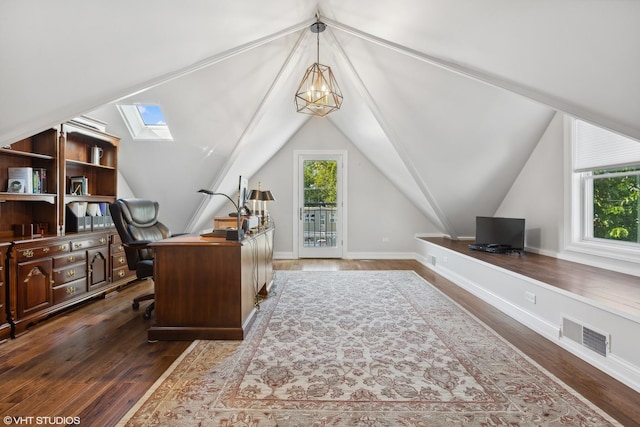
pixel 27 180
pixel 39 180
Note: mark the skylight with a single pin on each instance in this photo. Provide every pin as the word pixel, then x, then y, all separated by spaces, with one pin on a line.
pixel 145 121
pixel 151 115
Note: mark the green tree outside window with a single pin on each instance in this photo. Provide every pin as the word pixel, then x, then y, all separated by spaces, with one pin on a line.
pixel 615 206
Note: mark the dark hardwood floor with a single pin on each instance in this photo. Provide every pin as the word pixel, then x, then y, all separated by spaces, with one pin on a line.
pixel 95 363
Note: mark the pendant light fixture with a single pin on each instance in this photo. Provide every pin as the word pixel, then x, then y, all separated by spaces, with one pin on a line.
pixel 318 93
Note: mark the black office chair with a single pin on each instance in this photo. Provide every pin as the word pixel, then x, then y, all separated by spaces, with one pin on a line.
pixel 137 223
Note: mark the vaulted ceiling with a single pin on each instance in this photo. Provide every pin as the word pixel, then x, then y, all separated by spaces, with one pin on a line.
pixel 448 98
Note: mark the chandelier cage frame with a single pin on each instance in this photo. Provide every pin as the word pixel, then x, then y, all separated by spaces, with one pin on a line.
pixel 318 93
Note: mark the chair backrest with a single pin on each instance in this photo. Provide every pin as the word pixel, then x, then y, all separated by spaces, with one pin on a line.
pixel 137 220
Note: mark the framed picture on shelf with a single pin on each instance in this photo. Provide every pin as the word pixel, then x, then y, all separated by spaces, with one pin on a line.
pixel 77 185
pixel 16 185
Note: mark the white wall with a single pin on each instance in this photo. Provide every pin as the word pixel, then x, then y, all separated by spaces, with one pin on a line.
pixel 381 222
pixel 538 194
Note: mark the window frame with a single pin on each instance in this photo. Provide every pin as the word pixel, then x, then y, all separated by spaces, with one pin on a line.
pixel 579 218
pixel 137 127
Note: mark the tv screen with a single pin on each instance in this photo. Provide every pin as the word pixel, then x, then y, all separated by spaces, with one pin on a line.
pixel 500 231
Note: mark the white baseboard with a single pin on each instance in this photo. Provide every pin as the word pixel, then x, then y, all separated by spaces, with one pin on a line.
pixel 380 255
pixel 359 255
pixel 283 255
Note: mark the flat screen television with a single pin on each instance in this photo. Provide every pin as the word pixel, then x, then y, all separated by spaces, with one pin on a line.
pixel 504 232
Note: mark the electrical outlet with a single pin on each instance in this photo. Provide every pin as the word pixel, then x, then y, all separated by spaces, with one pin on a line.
pixel 530 296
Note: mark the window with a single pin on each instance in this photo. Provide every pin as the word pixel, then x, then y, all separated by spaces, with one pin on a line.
pixel 145 121
pixel 606 186
pixel 613 195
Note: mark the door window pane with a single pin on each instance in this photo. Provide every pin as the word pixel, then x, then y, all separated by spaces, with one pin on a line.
pixel 320 195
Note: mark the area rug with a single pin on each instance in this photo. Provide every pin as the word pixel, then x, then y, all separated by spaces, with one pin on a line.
pixel 361 348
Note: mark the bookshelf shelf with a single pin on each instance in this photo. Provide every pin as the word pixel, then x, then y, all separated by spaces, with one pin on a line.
pixel 21 197
pixel 10 152
pixel 90 165
pixel 70 198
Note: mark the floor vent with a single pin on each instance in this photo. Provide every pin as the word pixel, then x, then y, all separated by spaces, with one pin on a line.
pixel 585 336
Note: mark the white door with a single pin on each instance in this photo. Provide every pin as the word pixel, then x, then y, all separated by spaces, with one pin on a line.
pixel 320 205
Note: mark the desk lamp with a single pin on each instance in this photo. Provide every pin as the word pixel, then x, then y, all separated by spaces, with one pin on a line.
pixel 266 197
pixel 238 233
pixel 257 196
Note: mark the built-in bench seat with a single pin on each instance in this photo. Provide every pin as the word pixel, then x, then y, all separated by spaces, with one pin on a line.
pixel 592 312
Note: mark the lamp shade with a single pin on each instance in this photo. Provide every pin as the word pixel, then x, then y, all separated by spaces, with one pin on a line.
pixel 255 195
pixel 267 196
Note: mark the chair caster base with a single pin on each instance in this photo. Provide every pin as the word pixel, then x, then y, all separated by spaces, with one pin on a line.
pixel 147 312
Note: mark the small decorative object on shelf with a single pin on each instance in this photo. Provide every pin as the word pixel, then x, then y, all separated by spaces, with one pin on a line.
pixel 20 180
pixel 16 185
pixel 78 185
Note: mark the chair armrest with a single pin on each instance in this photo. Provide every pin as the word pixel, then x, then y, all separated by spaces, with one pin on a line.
pixel 138 244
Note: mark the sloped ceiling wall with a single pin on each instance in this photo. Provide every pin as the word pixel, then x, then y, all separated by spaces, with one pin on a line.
pixel 447 98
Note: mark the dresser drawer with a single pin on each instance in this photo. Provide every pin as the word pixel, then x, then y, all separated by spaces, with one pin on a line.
pixel 118 261
pixel 117 248
pixel 27 253
pixel 71 258
pixel 69 291
pixel 121 273
pixel 89 242
pixel 70 273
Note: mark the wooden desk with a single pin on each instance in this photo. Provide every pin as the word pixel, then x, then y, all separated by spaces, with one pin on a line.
pixel 207 288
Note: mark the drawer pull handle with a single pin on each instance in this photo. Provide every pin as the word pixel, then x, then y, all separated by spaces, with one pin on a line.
pixel 71 273
pixel 28 253
pixel 121 260
pixel 77 245
pixel 120 248
pixel 71 290
pixel 121 273
pixel 62 248
pixel 103 240
pixel 45 250
pixel 71 258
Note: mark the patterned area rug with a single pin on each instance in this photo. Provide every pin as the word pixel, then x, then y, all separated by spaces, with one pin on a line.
pixel 361 348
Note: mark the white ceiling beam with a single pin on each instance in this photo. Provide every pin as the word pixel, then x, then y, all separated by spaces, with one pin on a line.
pixel 235 155
pixel 492 80
pixel 406 159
